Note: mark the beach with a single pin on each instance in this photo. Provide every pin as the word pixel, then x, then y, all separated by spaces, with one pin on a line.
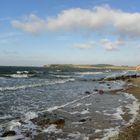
pixel 132 132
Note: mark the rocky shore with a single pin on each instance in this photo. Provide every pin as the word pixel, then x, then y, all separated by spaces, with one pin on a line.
pixel 130 132
pixel 54 122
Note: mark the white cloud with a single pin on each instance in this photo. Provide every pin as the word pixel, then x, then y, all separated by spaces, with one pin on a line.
pixel 31 23
pixel 111 45
pixel 87 45
pixel 98 19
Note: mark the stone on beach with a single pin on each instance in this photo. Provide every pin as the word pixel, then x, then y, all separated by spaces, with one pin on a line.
pixel 45 121
pixel 101 92
pixel 87 92
pixel 9 133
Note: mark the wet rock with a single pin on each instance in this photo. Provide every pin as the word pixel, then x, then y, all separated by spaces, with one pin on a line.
pixel 87 92
pixel 41 121
pixel 108 84
pixel 82 120
pixel 58 122
pixel 134 76
pixel 123 77
pixel 9 133
pixel 129 80
pixel 46 119
pixel 28 134
pixel 96 90
pixel 101 82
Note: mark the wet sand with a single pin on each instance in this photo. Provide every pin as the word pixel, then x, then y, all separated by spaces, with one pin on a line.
pixel 132 132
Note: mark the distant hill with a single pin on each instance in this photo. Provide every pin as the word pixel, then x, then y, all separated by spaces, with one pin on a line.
pixel 96 66
pixel 102 65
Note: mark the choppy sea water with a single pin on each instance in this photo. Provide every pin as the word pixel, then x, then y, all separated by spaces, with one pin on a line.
pixel 72 94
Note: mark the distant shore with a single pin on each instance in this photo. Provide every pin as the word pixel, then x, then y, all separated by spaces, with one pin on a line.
pixel 97 66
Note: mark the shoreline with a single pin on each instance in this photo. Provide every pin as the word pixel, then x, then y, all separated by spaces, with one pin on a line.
pixel 132 131
pixel 56 120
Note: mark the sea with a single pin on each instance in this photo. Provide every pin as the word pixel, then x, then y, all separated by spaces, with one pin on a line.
pixel 92 106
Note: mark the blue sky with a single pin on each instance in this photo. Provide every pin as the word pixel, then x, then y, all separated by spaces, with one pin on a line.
pixel 39 32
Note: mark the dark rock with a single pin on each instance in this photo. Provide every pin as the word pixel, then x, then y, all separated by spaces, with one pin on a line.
pixel 95 90
pixel 134 76
pixel 8 133
pixel 108 84
pixel 82 120
pixel 58 122
pixel 41 121
pixel 87 92
pixel 129 80
pixel 28 134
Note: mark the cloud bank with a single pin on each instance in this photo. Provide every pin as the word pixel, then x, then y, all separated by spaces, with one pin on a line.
pixel 95 20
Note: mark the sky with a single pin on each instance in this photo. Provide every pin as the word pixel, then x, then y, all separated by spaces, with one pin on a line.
pixel 39 32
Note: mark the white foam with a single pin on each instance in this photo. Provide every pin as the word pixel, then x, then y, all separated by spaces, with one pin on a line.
pixel 134 107
pixel 69 103
pixel 19 75
pixel 77 123
pixel 88 73
pixel 75 112
pixel 78 112
pixel 85 112
pixel 30 115
pixel 22 72
pixel 14 125
pixel 97 111
pixel 62 76
pixel 36 85
pixel 12 137
pixel 98 131
pixel 6 117
pixel 118 113
pixel 110 133
pixel 77 136
pixel 52 129
pixel 78 104
pixel 88 104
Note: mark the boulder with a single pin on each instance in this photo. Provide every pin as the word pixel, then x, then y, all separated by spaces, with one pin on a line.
pixel 87 92
pixel 58 122
pixel 9 133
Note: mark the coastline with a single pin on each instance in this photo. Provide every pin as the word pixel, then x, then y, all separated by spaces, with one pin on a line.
pixel 51 123
pixel 132 132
